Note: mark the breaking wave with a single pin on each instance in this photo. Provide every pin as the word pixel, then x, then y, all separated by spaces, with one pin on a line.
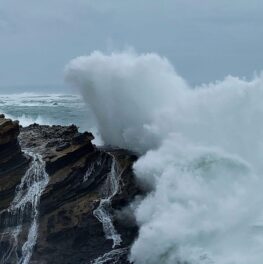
pixel 201 150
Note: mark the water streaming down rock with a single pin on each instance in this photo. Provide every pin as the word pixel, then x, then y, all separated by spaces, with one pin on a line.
pixel 92 168
pixel 10 248
pixel 112 257
pixel 64 224
pixel 23 213
pixel 102 213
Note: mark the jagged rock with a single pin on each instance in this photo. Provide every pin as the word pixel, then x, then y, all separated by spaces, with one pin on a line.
pixel 13 164
pixel 68 231
pixel 9 130
pixel 56 144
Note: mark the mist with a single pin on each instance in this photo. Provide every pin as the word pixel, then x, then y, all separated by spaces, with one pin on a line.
pixel 200 155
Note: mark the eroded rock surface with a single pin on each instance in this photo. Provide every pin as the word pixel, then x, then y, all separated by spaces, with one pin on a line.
pixel 13 164
pixel 79 178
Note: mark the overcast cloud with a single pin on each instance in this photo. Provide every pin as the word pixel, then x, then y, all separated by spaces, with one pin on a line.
pixel 204 39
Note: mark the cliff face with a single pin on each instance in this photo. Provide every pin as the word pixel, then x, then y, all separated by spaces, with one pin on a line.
pixel 74 206
pixel 13 164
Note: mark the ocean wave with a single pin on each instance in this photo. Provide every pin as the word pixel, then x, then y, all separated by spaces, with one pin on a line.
pixel 201 155
pixel 25 120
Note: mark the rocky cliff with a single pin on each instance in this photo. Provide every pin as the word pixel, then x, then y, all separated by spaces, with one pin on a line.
pixel 13 164
pixel 61 198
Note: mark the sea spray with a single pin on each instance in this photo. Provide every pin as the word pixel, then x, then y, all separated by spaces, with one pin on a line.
pixel 201 153
pixel 27 197
pixel 123 92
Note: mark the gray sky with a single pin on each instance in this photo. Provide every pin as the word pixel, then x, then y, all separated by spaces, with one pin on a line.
pixel 204 39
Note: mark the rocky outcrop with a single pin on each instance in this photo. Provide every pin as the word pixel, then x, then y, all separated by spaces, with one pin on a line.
pixel 58 145
pixel 13 164
pixel 80 181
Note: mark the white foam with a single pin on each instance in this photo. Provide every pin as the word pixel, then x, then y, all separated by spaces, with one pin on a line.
pixel 202 160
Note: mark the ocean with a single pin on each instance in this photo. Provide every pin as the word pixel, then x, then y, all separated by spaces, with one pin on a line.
pixel 48 109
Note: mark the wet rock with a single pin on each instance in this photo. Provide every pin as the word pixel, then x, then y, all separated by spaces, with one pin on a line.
pixel 9 131
pixel 63 146
pixel 13 164
pixel 79 138
pixel 68 231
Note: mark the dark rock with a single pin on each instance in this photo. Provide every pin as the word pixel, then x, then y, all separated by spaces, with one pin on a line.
pixel 79 138
pixel 53 143
pixel 62 146
pixel 13 164
pixel 78 172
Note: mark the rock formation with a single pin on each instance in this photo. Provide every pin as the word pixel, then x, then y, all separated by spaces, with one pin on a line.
pixel 77 210
pixel 13 164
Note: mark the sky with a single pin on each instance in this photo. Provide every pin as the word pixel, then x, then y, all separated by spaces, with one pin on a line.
pixel 204 39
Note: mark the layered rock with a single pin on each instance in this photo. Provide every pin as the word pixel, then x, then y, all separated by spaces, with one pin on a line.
pixel 80 177
pixel 13 164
